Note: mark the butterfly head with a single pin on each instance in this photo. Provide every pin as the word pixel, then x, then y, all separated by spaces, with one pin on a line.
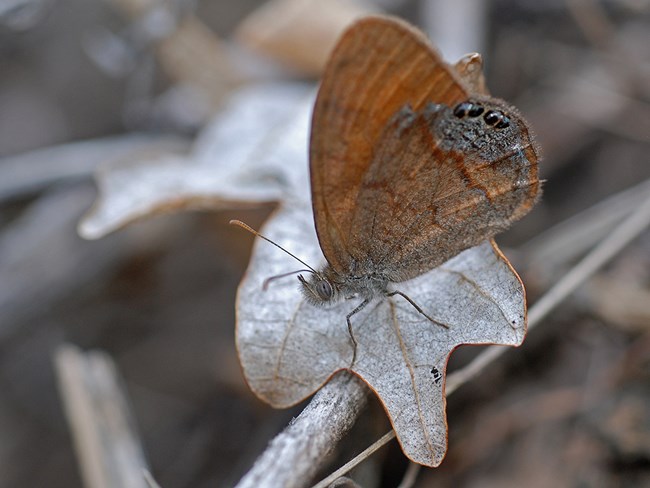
pixel 318 289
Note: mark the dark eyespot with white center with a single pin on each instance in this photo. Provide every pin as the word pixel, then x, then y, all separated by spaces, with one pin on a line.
pixel 491 117
pixel 475 110
pixel 468 109
pixel 461 109
pixel 503 123
pixel 498 119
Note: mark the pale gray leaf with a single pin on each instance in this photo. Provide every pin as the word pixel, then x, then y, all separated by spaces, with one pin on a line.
pixel 289 348
pixel 252 152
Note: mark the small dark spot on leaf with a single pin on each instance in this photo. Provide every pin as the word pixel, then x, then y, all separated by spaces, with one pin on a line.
pixel 437 376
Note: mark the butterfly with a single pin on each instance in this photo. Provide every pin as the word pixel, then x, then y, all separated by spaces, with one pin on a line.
pixel 408 167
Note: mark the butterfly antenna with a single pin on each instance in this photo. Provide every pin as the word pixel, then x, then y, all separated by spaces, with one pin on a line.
pixel 244 226
pixel 265 285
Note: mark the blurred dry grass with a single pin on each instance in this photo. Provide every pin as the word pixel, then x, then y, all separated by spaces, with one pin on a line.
pixel 569 408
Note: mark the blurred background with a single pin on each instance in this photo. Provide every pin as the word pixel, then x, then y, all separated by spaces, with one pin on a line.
pixel 89 85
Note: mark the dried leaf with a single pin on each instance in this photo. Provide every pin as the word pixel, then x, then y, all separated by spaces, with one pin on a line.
pixel 299 33
pixel 289 348
pixel 252 153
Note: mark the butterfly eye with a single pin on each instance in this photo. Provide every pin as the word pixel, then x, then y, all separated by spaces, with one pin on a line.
pixel 324 289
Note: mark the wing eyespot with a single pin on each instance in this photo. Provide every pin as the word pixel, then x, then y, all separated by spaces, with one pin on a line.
pixel 468 109
pixel 497 119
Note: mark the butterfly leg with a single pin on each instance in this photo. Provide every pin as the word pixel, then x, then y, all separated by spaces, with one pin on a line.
pixel 360 307
pixel 416 307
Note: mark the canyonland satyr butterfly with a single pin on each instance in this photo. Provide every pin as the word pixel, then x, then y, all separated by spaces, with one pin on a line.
pixel 408 168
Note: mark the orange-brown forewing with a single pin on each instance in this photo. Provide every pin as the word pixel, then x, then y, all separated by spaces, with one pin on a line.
pixel 399 184
pixel 378 65
pixel 429 193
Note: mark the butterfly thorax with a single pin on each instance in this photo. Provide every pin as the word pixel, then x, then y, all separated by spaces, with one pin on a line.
pixel 328 286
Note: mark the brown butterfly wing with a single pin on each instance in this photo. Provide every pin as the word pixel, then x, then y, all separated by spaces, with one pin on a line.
pixel 379 65
pixel 438 184
pixel 399 183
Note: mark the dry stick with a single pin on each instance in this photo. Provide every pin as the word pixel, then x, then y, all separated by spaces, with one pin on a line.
pixel 33 170
pixel 599 256
pixel 296 454
pixel 367 452
pixel 107 445
pixel 358 459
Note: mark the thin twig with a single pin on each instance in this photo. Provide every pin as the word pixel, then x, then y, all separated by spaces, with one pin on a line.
pixel 148 477
pixel 309 440
pixel 358 459
pixel 574 236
